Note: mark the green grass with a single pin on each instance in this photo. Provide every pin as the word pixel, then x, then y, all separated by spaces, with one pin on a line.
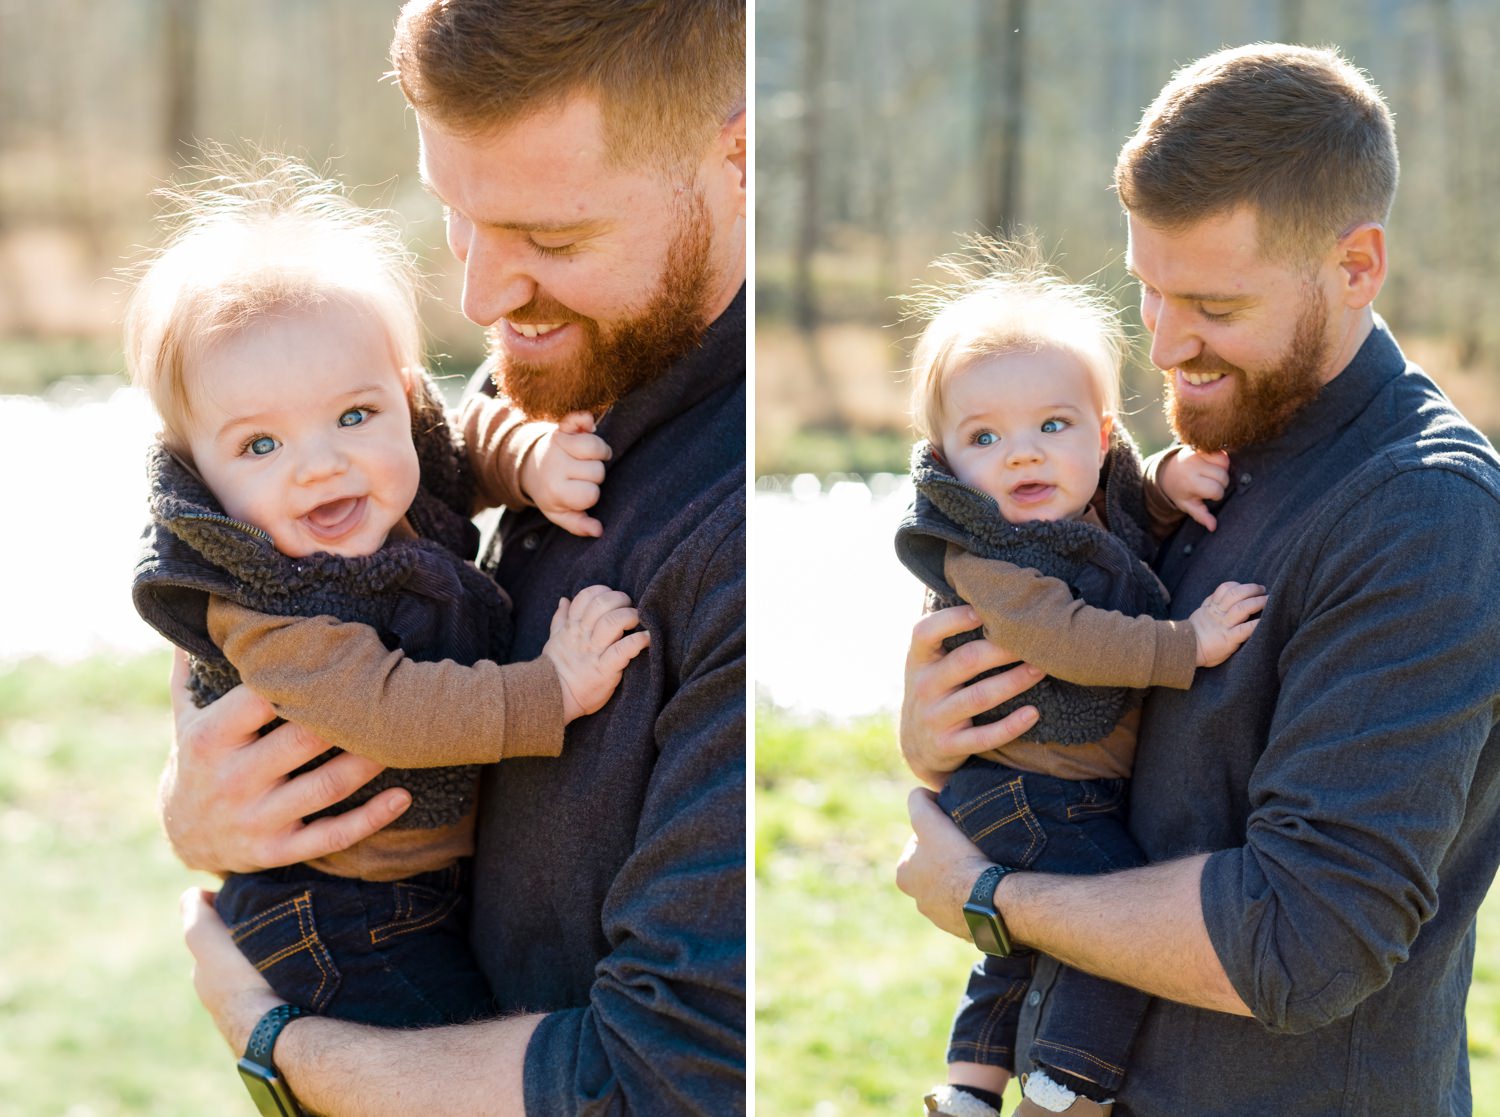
pixel 96 1003
pixel 854 989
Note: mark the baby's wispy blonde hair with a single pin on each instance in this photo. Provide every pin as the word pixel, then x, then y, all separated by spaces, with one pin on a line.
pixel 999 298
pixel 255 237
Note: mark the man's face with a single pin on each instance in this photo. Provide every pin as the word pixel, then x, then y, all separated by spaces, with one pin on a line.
pixel 591 278
pixel 1245 342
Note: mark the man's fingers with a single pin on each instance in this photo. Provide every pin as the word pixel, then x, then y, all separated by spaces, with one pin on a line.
pixel 986 694
pixel 993 734
pixel 232 722
pixel 320 788
pixel 928 634
pixel 182 697
pixel 962 664
pixel 338 832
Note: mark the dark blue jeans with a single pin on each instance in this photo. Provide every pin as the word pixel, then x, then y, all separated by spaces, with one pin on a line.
pixel 1031 821
pixel 390 953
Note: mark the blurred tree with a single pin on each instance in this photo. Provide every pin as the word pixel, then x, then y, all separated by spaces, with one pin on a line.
pixel 1002 82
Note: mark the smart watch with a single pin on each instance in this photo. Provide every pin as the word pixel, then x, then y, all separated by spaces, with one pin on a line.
pixel 985 924
pixel 269 1091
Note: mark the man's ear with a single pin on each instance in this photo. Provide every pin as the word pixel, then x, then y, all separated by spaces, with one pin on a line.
pixel 732 144
pixel 1361 262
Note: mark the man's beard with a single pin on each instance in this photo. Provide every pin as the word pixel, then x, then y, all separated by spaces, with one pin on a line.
pixel 1263 402
pixel 636 351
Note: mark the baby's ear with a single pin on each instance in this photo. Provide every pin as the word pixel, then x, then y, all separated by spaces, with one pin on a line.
pixel 1105 428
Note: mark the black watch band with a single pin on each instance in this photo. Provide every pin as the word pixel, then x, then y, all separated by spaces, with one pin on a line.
pixel 983 918
pixel 271 1095
pixel 267 1029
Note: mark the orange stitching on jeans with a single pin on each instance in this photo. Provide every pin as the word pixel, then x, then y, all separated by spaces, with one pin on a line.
pixel 1088 1056
pixel 403 927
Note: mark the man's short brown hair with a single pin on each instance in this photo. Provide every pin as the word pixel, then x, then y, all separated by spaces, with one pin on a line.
pixel 668 74
pixel 1298 133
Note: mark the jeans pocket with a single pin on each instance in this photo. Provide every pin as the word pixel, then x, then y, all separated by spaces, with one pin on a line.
pixel 283 943
pixel 414 907
pixel 1095 797
pixel 1000 821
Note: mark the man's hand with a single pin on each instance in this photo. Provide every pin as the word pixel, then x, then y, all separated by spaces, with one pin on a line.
pixel 227 802
pixel 937 709
pixel 562 473
pixel 590 645
pixel 939 866
pixel 1191 478
pixel 235 995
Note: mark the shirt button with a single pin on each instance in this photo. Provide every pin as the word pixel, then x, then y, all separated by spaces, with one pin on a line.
pixel 1245 479
pixel 1187 548
pixel 1034 998
pixel 530 542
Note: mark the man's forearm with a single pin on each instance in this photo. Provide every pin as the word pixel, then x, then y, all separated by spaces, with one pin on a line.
pixel 339 1069
pixel 1142 927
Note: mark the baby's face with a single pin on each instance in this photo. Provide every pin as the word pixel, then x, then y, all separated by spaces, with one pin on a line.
pixel 1027 428
pixel 302 428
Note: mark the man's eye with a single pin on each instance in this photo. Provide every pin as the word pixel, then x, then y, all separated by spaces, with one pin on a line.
pixel 552 249
pixel 354 416
pixel 986 438
pixel 1212 317
pixel 261 445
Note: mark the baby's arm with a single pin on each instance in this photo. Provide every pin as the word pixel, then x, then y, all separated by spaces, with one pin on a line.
pixel 338 680
pixel 1180 482
pixel 558 467
pixel 1038 619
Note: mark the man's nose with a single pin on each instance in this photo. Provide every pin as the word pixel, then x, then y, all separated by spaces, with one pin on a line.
pixel 1173 338
pixel 496 279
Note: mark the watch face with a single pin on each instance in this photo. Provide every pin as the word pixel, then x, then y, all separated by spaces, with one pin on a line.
pixel 267 1091
pixel 989 935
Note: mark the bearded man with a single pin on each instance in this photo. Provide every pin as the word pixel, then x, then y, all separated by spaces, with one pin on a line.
pixel 1323 809
pixel 590 157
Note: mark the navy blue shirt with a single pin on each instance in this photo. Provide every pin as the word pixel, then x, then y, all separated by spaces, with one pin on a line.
pixel 610 881
pixel 1341 767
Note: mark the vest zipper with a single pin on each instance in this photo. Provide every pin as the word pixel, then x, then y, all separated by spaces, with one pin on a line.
pixel 228 521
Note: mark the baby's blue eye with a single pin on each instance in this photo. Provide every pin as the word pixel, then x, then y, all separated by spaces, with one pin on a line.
pixel 986 438
pixel 262 445
pixel 353 417
pixel 1053 426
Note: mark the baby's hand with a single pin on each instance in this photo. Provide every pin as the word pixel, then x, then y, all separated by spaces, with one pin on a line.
pixel 1222 623
pixel 562 473
pixel 1191 478
pixel 590 648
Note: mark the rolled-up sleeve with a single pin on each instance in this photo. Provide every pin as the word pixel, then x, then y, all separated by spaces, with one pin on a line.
pixel 1388 693
pixel 664 1030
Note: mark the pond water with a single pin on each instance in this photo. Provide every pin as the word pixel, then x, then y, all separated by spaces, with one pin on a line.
pixel 72 499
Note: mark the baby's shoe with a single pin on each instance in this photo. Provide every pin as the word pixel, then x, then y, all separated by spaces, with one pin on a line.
pixel 954 1101
pixel 1081 1107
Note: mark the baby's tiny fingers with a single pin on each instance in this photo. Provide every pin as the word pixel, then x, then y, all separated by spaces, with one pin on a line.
pixel 584 447
pixel 583 599
pixel 602 604
pixel 1241 632
pixel 560 615
pixel 622 651
pixel 614 624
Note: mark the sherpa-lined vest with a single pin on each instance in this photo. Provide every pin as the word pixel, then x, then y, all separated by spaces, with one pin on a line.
pixel 420 595
pixel 1106 569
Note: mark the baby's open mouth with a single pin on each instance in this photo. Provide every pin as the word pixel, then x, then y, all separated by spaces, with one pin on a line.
pixel 1031 490
pixel 331 518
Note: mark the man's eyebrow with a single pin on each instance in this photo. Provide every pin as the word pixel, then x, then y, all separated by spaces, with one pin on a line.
pixel 1191 296
pixel 575 228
